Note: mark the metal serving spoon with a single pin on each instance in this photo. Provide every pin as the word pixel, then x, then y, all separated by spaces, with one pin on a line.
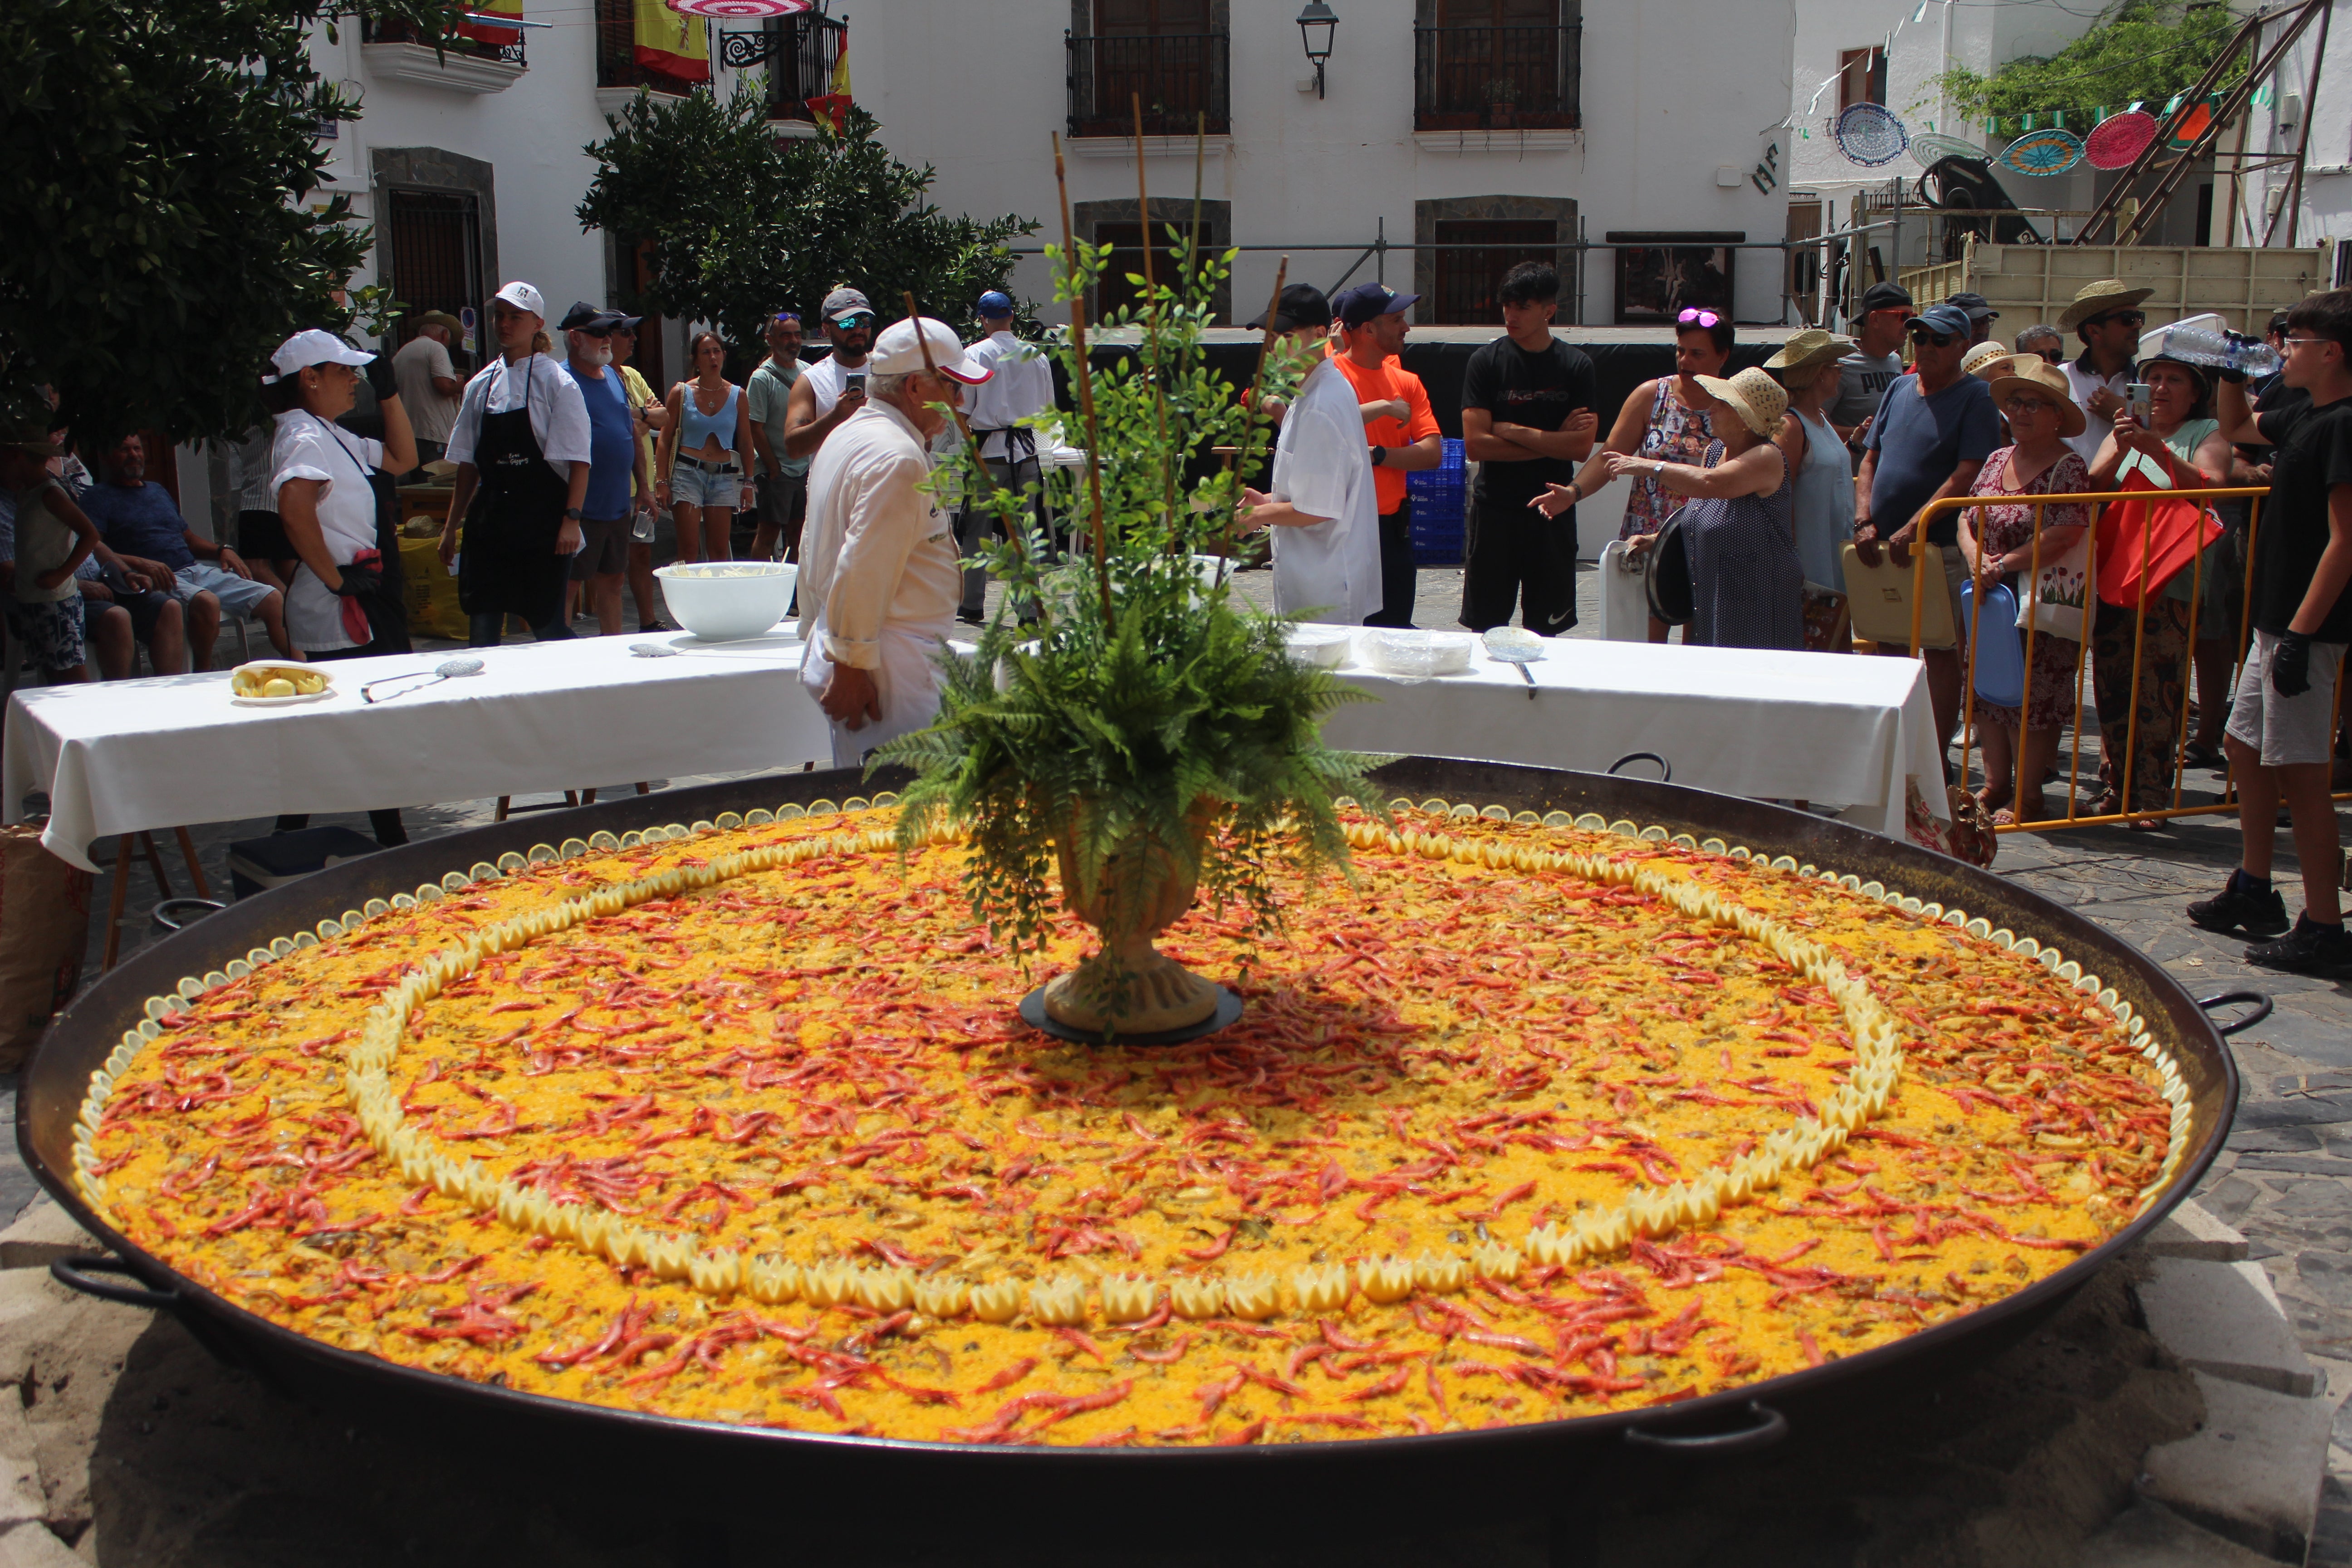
pixel 448 669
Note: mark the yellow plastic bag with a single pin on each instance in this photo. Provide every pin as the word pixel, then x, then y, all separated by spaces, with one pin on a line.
pixel 430 592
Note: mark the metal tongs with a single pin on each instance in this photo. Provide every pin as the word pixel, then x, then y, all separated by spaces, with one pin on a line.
pixel 448 669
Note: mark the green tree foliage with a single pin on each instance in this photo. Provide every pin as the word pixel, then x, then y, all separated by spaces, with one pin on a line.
pixel 163 228
pixel 2140 51
pixel 741 223
pixel 1148 699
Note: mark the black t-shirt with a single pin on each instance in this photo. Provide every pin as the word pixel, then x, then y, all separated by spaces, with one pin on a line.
pixel 1537 390
pixel 2315 455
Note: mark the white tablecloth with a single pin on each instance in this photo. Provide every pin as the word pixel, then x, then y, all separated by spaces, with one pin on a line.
pixel 173 750
pixel 1827 729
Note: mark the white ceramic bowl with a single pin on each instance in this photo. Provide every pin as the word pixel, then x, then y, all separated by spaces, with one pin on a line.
pixel 1326 645
pixel 1419 653
pixel 272 666
pixel 722 601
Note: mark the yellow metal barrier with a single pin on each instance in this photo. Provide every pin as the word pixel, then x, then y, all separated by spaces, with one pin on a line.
pixel 2254 494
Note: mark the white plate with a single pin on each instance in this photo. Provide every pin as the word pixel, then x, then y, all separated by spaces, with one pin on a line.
pixel 293 701
pixel 1419 653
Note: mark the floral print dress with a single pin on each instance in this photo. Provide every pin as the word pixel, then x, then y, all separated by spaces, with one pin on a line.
pixel 1677 434
pixel 2050 694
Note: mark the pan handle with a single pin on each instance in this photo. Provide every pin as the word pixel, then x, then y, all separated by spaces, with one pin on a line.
pixel 2261 999
pixel 73 1273
pixel 1665 769
pixel 1770 1428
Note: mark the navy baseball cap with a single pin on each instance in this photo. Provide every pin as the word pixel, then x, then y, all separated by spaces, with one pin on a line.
pixel 996 302
pixel 1946 319
pixel 1368 302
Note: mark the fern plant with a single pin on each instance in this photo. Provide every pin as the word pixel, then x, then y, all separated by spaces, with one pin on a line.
pixel 1145 712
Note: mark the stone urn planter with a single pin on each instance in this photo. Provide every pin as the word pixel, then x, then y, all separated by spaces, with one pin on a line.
pixel 1126 986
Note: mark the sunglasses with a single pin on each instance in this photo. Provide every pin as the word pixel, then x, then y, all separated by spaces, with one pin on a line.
pixel 851 323
pixel 1941 339
pixel 1697 318
pixel 2125 318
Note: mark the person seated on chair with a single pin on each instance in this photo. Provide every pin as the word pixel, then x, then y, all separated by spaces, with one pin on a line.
pixel 135 515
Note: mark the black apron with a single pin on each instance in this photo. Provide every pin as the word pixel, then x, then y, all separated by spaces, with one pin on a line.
pixel 506 561
pixel 386 608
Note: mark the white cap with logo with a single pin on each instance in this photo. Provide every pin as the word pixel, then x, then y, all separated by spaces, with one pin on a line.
pixel 899 352
pixel 308 348
pixel 523 296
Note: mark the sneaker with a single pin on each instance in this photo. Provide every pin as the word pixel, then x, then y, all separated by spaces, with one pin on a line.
pixel 2238 908
pixel 2309 949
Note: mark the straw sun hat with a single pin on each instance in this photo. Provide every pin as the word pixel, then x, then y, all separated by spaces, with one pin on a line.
pixel 1988 360
pixel 2097 299
pixel 2029 374
pixel 1759 399
pixel 1807 354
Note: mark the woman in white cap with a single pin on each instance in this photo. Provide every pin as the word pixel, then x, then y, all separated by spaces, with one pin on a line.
pixel 338 604
pixel 522 446
pixel 1822 512
pixel 2020 749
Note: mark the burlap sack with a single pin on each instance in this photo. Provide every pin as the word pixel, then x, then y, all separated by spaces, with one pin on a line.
pixel 44 933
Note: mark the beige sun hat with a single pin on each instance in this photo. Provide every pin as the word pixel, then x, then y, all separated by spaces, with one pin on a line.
pixel 2097 299
pixel 1761 400
pixel 1986 361
pixel 1809 347
pixel 2030 375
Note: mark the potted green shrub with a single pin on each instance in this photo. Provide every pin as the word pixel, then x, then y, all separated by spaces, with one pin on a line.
pixel 1503 102
pixel 1150 736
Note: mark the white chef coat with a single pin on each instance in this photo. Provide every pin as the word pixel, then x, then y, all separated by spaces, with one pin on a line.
pixel 559 415
pixel 307 448
pixel 878 581
pixel 1323 466
pixel 2085 381
pixel 1022 385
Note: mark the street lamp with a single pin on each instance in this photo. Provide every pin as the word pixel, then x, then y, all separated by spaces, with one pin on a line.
pixel 1316 26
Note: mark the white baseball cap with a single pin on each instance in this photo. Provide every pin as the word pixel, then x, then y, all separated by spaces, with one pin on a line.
pixel 899 352
pixel 310 348
pixel 523 296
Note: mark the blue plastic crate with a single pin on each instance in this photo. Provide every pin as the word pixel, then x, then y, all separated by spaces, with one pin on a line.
pixel 1439 502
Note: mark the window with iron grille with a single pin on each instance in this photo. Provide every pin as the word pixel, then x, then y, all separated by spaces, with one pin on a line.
pixel 1473 255
pixel 1497 65
pixel 434 242
pixel 801 65
pixel 616 52
pixel 1172 54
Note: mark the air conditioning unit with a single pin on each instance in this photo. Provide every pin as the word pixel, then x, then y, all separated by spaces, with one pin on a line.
pixel 2290 111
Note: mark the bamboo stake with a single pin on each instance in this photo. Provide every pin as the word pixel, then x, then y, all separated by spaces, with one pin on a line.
pixel 1086 388
pixel 1151 324
pixel 1257 379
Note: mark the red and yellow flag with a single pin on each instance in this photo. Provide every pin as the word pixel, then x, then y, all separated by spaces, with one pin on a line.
pixel 832 105
pixel 675 44
pixel 483 33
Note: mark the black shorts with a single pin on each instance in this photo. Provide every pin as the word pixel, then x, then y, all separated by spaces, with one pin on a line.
pixel 605 548
pixel 783 501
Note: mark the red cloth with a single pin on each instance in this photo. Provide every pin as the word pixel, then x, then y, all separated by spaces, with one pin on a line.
pixel 2143 544
pixel 355 621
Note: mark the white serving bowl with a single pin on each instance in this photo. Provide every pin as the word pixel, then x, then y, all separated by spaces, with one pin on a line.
pixel 722 600
pixel 1326 645
pixel 1419 653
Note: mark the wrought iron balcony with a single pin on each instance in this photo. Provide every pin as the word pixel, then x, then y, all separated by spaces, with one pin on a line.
pixel 1499 79
pixel 1181 77
pixel 616 52
pixel 392 32
pixel 802 52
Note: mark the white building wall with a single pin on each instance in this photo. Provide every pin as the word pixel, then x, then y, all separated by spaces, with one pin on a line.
pixel 1672 91
pixel 2324 210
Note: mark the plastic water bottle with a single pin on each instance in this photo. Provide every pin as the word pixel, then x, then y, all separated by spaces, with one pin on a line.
pixel 2203 340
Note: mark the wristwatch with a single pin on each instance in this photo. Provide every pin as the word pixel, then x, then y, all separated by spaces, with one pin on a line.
pixel 572 513
pixel 1380 455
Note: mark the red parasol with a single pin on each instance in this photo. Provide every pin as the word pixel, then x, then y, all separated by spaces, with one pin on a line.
pixel 740 10
pixel 2119 138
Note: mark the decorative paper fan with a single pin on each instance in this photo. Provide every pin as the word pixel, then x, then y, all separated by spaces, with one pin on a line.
pixel 2043 153
pixel 1931 148
pixel 2119 138
pixel 1869 134
pixel 739 10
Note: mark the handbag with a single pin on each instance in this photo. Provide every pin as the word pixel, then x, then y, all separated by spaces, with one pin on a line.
pixel 2051 604
pixel 2143 544
pixel 1624 594
pixel 1668 583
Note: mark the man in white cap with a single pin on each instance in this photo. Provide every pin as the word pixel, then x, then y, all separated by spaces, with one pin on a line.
pixel 523 442
pixel 834 388
pixel 879 577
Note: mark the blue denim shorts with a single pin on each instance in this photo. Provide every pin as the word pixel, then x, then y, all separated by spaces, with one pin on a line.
pixel 693 483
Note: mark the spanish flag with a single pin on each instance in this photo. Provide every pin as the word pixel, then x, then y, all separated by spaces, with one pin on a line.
pixel 498 37
pixel 832 105
pixel 676 46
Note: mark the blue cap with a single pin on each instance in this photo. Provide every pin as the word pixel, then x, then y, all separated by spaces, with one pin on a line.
pixel 1369 302
pixel 996 302
pixel 1946 319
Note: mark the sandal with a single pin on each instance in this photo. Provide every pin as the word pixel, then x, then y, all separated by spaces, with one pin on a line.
pixel 2197 755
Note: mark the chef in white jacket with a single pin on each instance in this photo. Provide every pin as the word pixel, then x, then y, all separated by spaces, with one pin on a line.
pixel 879 579
pixel 1319 505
